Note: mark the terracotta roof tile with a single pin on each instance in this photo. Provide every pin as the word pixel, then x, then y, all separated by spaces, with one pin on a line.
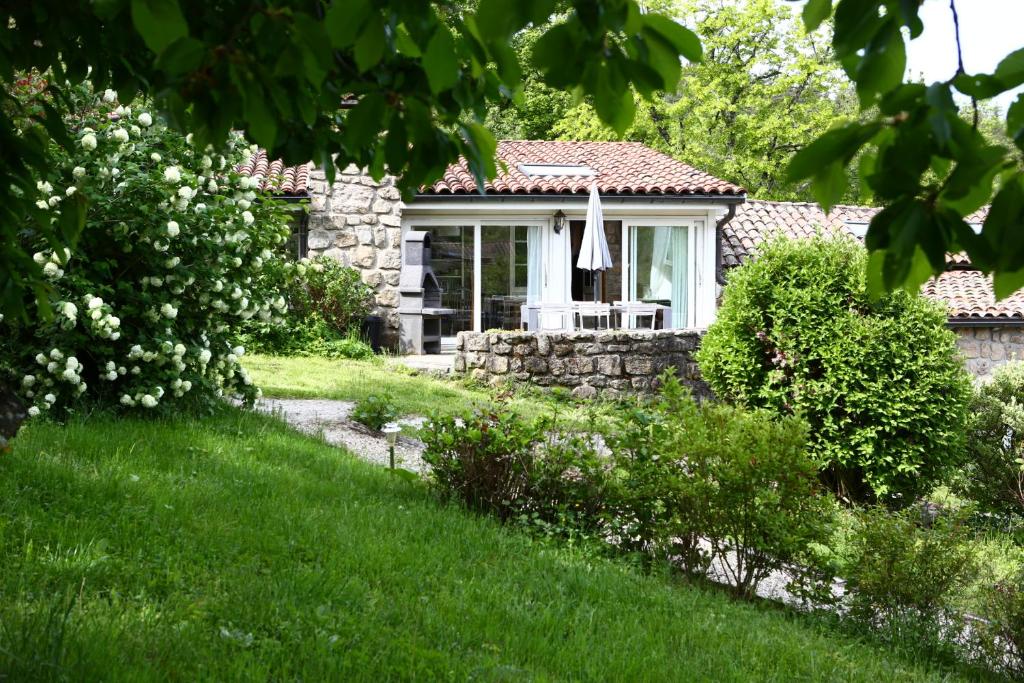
pixel 969 296
pixel 628 168
pixel 968 293
pixel 275 177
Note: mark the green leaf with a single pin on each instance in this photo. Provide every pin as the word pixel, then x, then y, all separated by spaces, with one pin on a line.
pixel 1011 70
pixel 439 61
pixel 344 20
pixel 1015 122
pixel 681 38
pixel 838 144
pixel 815 12
pixel 828 185
pixel 364 121
pixel 883 64
pixel 72 217
pixel 370 45
pixel 159 22
pixel 405 44
pixel 262 123
pixel 181 57
pixel 1006 283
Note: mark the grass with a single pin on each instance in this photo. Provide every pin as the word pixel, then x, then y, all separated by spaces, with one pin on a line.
pixel 413 394
pixel 232 548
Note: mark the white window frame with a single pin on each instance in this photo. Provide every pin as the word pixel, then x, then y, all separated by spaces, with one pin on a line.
pixel 696 244
pixel 477 223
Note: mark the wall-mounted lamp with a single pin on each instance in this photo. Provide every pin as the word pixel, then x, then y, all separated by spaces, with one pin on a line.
pixel 559 221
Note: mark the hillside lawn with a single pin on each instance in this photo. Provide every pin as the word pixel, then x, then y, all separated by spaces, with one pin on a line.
pixel 233 548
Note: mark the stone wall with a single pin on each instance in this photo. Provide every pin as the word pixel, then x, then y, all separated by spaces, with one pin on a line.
pixel 590 363
pixel 986 348
pixel 358 221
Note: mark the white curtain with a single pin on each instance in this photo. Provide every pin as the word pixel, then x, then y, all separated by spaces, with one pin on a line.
pixel 679 261
pixel 661 263
pixel 534 264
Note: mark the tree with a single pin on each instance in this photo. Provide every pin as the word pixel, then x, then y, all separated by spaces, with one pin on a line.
pixel 392 85
pixel 926 164
pixel 763 91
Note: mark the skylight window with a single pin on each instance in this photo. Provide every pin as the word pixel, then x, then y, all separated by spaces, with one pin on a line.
pixel 857 228
pixel 557 170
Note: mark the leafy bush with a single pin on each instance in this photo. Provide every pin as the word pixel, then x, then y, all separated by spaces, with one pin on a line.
pixel 375 411
pixel 1001 633
pixel 739 481
pixel 326 303
pixel 484 460
pixel 171 258
pixel 880 382
pixel 994 469
pixel 905 571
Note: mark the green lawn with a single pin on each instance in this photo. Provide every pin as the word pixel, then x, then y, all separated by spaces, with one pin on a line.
pixel 233 548
pixel 351 380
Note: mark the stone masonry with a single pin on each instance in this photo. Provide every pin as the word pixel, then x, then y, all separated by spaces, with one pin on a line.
pixel 358 221
pixel 590 363
pixel 986 348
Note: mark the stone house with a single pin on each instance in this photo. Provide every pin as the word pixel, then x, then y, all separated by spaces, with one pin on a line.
pixel 673 232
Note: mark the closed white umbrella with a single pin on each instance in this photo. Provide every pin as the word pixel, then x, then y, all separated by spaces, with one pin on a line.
pixel 594 254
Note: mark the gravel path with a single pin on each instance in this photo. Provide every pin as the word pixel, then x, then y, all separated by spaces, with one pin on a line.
pixel 330 419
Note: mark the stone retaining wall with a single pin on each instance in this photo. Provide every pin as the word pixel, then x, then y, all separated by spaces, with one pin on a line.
pixel 986 348
pixel 590 363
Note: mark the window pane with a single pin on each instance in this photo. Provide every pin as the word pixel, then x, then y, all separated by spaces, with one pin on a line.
pixel 659 268
pixel 452 259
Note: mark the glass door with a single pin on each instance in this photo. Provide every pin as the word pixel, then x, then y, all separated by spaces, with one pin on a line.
pixel 659 267
pixel 505 252
pixel 452 259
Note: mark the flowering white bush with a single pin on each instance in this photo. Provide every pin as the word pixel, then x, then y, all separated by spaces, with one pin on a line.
pixel 169 261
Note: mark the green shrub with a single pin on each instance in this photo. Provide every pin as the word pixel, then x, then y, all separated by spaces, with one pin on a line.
pixel 905 571
pixel 170 261
pixel 484 460
pixel 880 382
pixel 326 303
pixel 994 469
pixel 738 481
pixel 375 411
pixel 1000 634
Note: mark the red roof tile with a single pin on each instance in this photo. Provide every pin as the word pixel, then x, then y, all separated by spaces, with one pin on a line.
pixel 968 293
pixel 275 177
pixel 628 168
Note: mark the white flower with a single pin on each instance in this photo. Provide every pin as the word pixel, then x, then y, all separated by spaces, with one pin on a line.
pixel 111 375
pixel 52 271
pixel 71 376
pixel 51 367
pixel 109 95
pixel 172 229
pixel 239 351
pixel 148 401
pixel 127 400
pixel 169 311
pixel 89 141
pixel 39 257
pixel 28 380
pixel 95 302
pixel 71 190
pixel 211 186
pixel 113 322
pixel 72 363
pixel 179 349
pixel 96 315
pixel 188 138
pixel 244 204
pixel 155 157
pixel 50 398
pixel 41 203
pixel 33 411
pixel 53 201
pixel 172 262
pixel 185 192
pixel 145 119
pixel 41 358
pixel 69 310
pixel 200 207
pixel 78 171
pixel 120 134
pixel 55 354
pixel 172 174
pixel 204 356
pixel 44 187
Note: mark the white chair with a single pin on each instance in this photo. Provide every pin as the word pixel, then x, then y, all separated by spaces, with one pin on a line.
pixel 555 316
pixel 632 311
pixel 595 310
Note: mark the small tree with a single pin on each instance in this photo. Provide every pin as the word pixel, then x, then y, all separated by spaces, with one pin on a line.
pixel 880 382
